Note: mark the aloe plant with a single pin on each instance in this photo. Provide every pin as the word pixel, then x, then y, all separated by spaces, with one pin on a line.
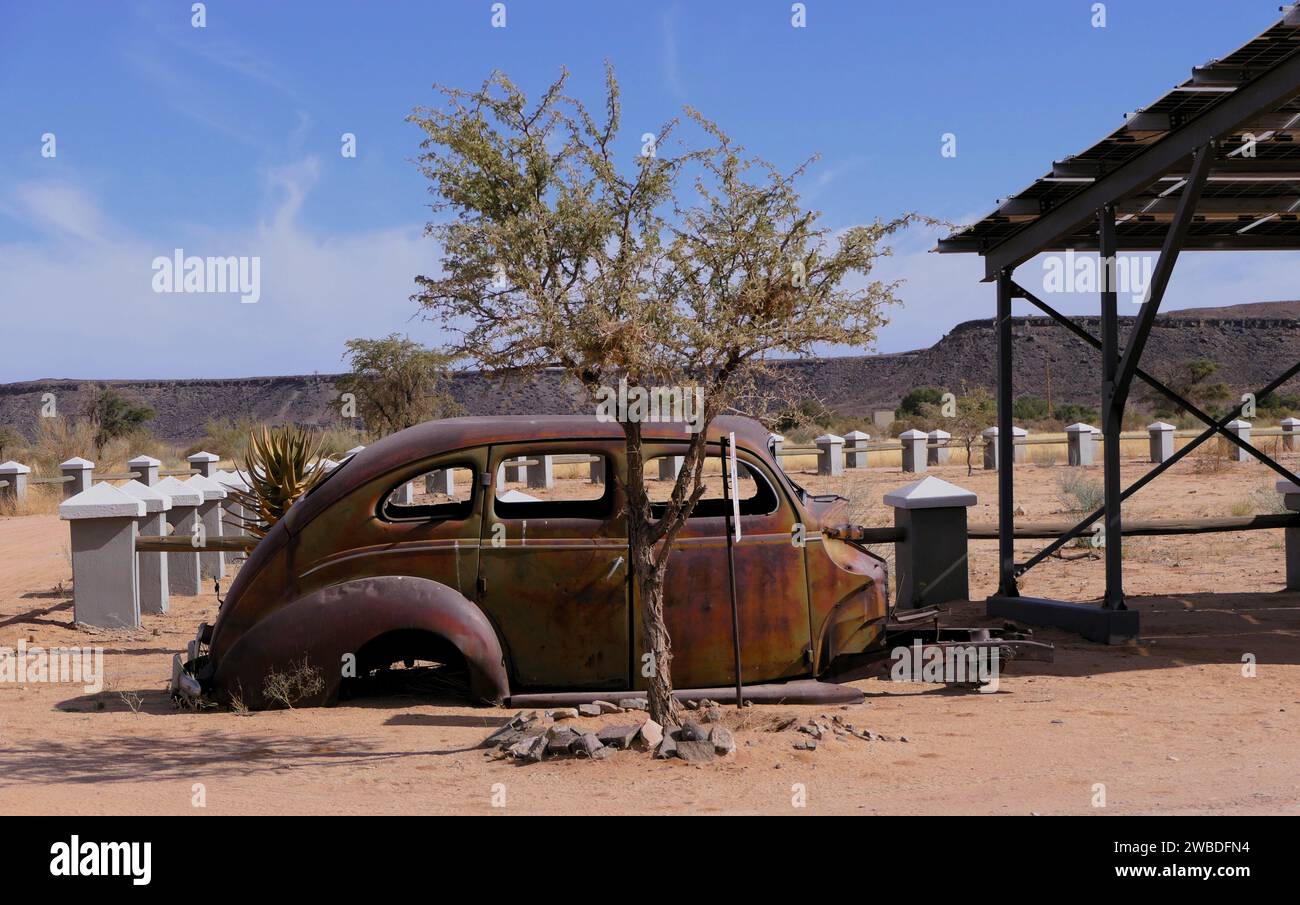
pixel 280 465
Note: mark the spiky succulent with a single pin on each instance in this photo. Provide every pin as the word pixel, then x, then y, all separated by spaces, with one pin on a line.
pixel 281 464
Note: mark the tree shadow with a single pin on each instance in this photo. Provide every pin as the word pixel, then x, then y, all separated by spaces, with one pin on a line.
pixel 34 615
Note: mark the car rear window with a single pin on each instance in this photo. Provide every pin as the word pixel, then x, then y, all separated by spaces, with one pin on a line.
pixel 444 493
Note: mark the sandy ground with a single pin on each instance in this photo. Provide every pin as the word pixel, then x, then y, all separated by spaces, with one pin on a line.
pixel 1167 725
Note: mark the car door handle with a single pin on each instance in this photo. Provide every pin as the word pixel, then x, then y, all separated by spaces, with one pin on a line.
pixel 613 568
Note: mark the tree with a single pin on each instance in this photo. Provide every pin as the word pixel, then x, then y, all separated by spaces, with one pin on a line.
pixel 914 401
pixel 566 247
pixel 1191 380
pixel 398 383
pixel 976 409
pixel 114 415
pixel 9 438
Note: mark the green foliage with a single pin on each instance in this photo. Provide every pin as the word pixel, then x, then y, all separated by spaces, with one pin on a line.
pixel 1191 380
pixel 806 412
pixel 1278 405
pixel 1029 408
pixel 1073 413
pixel 398 383
pixel 916 399
pixel 10 440
pixel 280 465
pixel 113 415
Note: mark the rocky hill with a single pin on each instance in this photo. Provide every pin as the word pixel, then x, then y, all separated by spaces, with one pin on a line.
pixel 1251 343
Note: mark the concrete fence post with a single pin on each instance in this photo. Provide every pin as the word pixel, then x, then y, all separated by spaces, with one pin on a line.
pixel 855 449
pixel 146 467
pixel 597 470
pixel 1079 440
pixel 1290 430
pixel 830 455
pixel 914 455
pixel 777 442
pixel 151 568
pixel 442 481
pixel 236 514
pixel 670 467
pixel 404 495
pixel 205 463
pixel 1020 449
pixel 514 471
pixel 352 452
pixel 990 435
pixel 1241 429
pixel 938 450
pixel 1290 491
pixel 930 561
pixel 82 473
pixel 212 563
pixel 182 566
pixel 14 478
pixel 102 523
pixel 1161 436
pixel 543 473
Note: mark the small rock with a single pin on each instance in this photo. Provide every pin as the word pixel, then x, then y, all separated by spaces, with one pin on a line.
pixel 723 741
pixel 602 753
pixel 649 735
pixel 812 729
pixel 712 715
pixel 586 745
pixel 786 724
pixel 563 713
pixel 805 744
pixel 607 707
pixel 1058 722
pixel 561 742
pixel 692 705
pixel 667 748
pixel 505 735
pixel 902 738
pixel 589 710
pixel 618 736
pixel 530 749
pixel 692 731
pixel 633 703
pixel 695 751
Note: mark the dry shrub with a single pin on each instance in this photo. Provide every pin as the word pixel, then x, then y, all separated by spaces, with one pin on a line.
pixel 298 681
pixel 1211 457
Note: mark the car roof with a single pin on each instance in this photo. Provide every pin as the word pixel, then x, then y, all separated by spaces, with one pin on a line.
pixel 449 434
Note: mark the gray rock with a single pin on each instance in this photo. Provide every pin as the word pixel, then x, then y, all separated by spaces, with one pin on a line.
pixel 712 715
pixel 805 744
pixel 607 707
pixel 634 703
pixel 602 753
pixel 695 752
pixel 530 749
pixel 586 745
pixel 618 736
pixel 723 741
pixel 563 713
pixel 506 735
pixel 667 748
pixel 561 742
pixel 589 710
pixel 649 735
pixel 692 731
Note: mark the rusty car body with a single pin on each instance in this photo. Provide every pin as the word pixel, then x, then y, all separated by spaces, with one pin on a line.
pixel 533 595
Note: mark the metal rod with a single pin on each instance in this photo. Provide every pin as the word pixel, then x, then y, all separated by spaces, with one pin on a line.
pixel 1112 412
pixel 1006 445
pixel 731 565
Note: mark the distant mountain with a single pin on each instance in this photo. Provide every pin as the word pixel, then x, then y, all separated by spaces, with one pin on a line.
pixel 1251 343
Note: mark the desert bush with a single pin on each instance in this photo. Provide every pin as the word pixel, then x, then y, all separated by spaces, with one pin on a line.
pixel 298 681
pixel 1079 493
pixel 280 466
pixel 1211 457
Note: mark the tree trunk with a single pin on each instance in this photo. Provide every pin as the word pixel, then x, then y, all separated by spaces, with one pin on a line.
pixel 657 667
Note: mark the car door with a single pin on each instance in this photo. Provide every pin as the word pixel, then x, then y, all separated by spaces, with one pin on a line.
pixel 553 564
pixel 771 584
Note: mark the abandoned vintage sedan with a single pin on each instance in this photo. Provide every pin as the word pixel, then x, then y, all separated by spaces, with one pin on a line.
pixel 497 548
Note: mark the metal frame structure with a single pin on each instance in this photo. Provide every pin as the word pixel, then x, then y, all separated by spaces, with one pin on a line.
pixel 1214 164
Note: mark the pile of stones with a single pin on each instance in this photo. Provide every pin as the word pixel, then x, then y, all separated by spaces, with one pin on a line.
pixel 827 728
pixel 532 736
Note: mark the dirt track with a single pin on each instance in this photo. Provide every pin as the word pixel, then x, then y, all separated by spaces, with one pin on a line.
pixel 1169 725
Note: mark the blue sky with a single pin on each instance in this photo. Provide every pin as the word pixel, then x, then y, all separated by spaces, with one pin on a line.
pixel 224 140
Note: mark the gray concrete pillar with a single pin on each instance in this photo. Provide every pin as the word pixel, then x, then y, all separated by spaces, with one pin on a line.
pixel 1020 451
pixel 830 455
pixel 1161 437
pixel 1290 491
pixel 670 467
pixel 404 495
pixel 212 563
pixel 82 473
pixel 151 568
pixel 205 463
pixel 1079 439
pixel 236 515
pixel 514 471
pixel 102 523
pixel 776 443
pixel 597 470
pixel 183 566
pixel 855 448
pixel 930 561
pixel 1242 431
pixel 352 452
pixel 1290 430
pixel 914 455
pixel 990 435
pixel 938 447
pixel 441 481
pixel 543 473
pixel 14 478
pixel 147 469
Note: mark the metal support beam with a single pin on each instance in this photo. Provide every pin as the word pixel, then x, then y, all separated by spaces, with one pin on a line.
pixel 1006 445
pixel 1112 412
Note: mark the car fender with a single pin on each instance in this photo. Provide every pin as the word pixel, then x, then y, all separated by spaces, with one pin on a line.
pixel 338 620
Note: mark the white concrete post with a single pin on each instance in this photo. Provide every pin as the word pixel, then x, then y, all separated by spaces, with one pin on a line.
pixel 1290 491
pixel 182 566
pixel 205 463
pixel 14 477
pixel 1290 429
pixel 543 473
pixel 938 450
pixel 597 470
pixel 236 514
pixel 146 467
pixel 1079 438
pixel 990 435
pixel 669 467
pixel 102 523
pixel 328 464
pixel 352 452
pixel 855 449
pixel 914 457
pixel 1161 435
pixel 1020 449
pixel 1242 431
pixel 404 495
pixel 514 471
pixel 930 560
pixel 82 473
pixel 212 563
pixel 151 568
pixel 830 455
pixel 440 481
pixel 777 441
